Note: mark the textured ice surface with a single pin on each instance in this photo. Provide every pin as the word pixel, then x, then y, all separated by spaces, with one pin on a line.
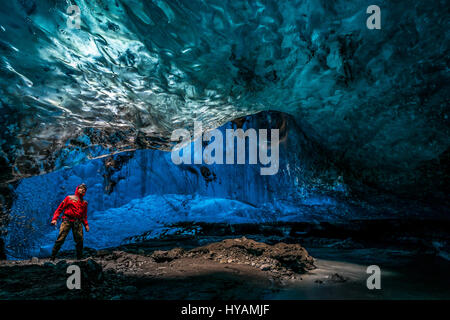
pixel 135 70
pixel 152 213
pixel 143 191
pixel 153 216
pixel 211 193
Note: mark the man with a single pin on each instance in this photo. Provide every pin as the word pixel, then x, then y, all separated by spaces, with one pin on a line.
pixel 75 216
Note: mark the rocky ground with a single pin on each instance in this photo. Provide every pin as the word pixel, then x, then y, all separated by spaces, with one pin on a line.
pixel 248 262
pixel 238 268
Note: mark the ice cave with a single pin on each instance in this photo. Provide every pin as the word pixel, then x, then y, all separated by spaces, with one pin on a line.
pixel 93 95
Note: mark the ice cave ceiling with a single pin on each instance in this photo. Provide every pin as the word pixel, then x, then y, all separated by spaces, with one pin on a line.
pixel 375 100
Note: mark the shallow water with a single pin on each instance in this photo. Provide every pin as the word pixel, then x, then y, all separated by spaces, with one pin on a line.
pixel 404 277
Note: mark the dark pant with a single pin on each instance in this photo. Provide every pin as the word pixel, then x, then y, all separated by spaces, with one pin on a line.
pixel 77 232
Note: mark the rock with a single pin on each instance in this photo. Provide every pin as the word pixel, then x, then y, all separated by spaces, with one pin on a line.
pixel 49 265
pixel 34 260
pixel 337 278
pixel 265 267
pixel 118 254
pixel 110 265
pixel 91 271
pixel 289 256
pixel 292 256
pixel 93 266
pixel 166 256
pixel 102 253
pixel 122 259
pixel 89 252
pixel 141 259
pixel 160 256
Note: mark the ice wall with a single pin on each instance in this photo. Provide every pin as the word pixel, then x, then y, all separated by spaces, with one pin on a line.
pixel 122 186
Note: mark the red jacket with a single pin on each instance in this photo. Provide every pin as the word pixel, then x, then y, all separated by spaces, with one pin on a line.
pixel 73 209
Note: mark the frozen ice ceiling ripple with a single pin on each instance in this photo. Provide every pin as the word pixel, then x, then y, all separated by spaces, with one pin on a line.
pixel 377 100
